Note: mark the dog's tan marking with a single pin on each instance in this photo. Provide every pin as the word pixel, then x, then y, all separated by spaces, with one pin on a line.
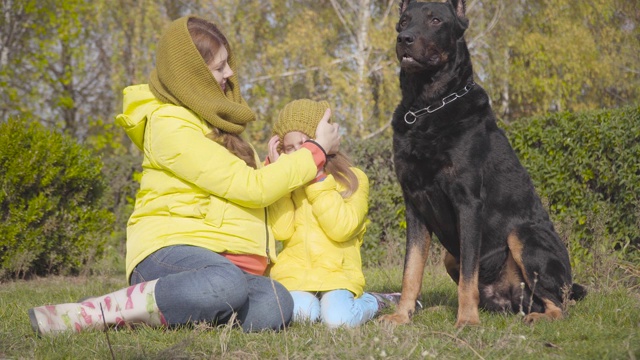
pixel 468 301
pixel 510 276
pixel 551 310
pixel 411 283
pixel 515 248
pixel 452 266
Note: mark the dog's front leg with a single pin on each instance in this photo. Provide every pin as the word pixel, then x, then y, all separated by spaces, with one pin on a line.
pixel 470 225
pixel 418 242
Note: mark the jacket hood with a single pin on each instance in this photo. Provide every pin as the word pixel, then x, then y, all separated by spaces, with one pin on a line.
pixel 138 103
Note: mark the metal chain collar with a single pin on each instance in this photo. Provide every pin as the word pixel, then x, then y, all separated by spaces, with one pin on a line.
pixel 433 108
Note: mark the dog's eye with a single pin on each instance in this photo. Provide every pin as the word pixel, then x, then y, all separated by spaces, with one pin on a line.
pixel 435 21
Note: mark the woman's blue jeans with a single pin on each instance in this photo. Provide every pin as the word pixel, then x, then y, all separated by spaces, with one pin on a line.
pixel 196 284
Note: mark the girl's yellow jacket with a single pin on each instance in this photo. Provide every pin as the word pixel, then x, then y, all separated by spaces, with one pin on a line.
pixel 322 234
pixel 194 191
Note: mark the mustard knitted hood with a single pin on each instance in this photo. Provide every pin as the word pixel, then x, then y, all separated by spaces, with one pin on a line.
pixel 181 77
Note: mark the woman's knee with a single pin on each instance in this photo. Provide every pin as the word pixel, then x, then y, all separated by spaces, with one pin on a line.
pixel 206 294
pixel 270 305
pixel 229 286
pixel 279 298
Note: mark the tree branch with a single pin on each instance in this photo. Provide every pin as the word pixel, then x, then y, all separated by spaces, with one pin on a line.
pixel 491 25
pixel 294 72
pixel 379 131
pixel 340 12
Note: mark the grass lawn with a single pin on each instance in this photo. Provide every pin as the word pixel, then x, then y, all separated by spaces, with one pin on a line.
pixel 605 325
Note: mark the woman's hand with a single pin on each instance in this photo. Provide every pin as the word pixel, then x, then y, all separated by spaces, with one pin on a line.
pixel 273 148
pixel 328 135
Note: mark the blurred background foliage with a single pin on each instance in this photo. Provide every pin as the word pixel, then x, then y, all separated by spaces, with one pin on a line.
pixel 564 78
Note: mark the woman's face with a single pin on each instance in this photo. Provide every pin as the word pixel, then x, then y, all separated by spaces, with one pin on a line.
pixel 293 141
pixel 220 67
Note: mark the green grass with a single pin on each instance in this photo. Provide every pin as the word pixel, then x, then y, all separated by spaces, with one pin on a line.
pixel 605 325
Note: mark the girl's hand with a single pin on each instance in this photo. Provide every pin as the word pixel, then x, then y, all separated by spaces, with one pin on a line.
pixel 328 135
pixel 273 148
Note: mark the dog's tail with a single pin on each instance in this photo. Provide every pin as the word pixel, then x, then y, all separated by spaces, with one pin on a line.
pixel 578 292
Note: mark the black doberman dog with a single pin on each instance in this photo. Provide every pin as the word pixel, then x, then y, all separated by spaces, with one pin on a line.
pixel 462 180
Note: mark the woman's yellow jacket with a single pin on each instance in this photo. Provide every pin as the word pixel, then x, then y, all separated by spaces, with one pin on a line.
pixel 194 191
pixel 322 234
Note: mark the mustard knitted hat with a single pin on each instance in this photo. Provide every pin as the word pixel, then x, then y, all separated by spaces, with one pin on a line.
pixel 302 115
pixel 181 77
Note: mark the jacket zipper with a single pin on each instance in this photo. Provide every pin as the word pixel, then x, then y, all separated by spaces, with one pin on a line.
pixel 266 231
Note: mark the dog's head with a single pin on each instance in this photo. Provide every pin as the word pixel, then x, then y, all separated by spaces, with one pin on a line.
pixel 428 33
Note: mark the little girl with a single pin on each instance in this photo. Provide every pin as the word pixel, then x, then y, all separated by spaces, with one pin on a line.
pixel 322 226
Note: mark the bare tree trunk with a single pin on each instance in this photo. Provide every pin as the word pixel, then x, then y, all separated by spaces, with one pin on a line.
pixel 355 16
pixel 362 57
pixel 504 104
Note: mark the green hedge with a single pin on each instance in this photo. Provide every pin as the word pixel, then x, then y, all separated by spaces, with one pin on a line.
pixel 386 230
pixel 586 167
pixel 122 171
pixel 51 189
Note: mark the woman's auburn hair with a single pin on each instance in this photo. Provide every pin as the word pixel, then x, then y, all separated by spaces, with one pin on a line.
pixel 208 39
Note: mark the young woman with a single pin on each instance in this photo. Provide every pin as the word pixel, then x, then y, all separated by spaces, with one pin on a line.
pixel 322 226
pixel 198 241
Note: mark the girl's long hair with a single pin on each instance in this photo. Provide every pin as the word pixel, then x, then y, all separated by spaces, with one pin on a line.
pixel 339 165
pixel 208 39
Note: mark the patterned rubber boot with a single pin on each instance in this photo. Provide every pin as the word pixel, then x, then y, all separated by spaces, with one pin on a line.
pixel 133 305
pixel 386 300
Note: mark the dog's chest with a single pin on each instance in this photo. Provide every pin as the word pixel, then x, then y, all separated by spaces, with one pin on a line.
pixel 420 155
pixel 424 169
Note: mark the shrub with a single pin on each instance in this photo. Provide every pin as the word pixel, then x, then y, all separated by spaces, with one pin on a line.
pixel 386 229
pixel 585 165
pixel 50 195
pixel 120 171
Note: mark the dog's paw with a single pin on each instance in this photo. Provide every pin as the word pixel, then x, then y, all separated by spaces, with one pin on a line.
pixel 397 318
pixel 467 321
pixel 532 318
pixel 552 312
pixel 467 316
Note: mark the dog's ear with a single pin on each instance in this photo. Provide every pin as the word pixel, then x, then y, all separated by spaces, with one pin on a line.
pixel 460 8
pixel 403 5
